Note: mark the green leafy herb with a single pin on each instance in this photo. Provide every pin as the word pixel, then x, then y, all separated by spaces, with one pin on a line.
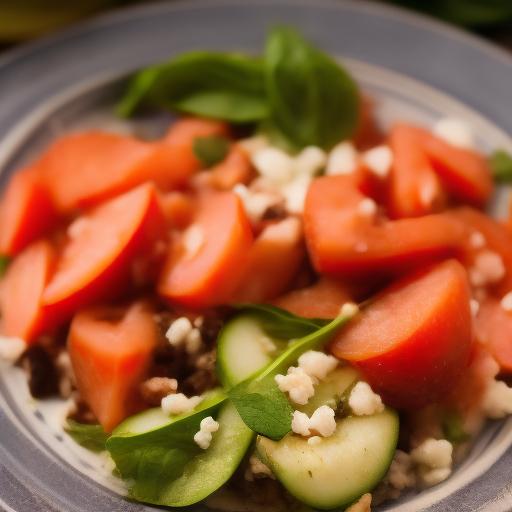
pixel 4 263
pixel 220 86
pixel 313 101
pixel 166 467
pixel 92 437
pixel 453 428
pixel 501 164
pixel 210 150
pixel 261 405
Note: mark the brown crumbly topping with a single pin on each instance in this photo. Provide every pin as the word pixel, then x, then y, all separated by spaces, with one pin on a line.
pixel 363 505
pixel 275 212
pixel 155 389
pixel 42 375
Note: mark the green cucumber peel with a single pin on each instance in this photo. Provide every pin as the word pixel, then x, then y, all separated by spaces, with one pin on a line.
pixel 259 401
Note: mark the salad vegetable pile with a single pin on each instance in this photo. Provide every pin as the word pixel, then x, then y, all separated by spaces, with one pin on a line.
pixel 276 304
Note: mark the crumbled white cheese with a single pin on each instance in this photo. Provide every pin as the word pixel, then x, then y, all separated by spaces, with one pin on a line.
pixel 367 207
pixel 379 160
pixel 193 240
pixel 257 469
pixel 256 203
pixel 488 268
pixel 433 453
pixel 298 384
pixel 314 440
pixel 349 309
pixel 477 240
pixel 274 164
pixel 253 144
pixel 342 159
pixel 497 402
pixel 178 331
pixel 317 364
pixel 78 227
pixel 401 472
pixel 433 476
pixel 310 160
pixel 322 421
pixel 11 348
pixel 455 132
pixel 199 321
pixel 475 306
pixel 288 231
pixel 179 403
pixel 506 302
pixel 193 341
pixel 428 192
pixel 203 438
pixel 295 194
pixel 363 401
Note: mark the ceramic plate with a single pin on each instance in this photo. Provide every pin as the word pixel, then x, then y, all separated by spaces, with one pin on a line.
pixel 415 68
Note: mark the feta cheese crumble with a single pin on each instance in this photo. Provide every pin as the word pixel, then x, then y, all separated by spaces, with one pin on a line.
pixel 434 460
pixel 349 309
pixel 475 306
pixel 477 240
pixel 322 422
pixel 379 160
pixel 363 401
pixel 203 438
pixel 401 472
pixel 488 268
pixel 342 159
pixel 367 207
pixel 455 132
pixel 295 194
pixel 497 402
pixel 310 160
pixel 274 164
pixel 257 469
pixel 298 384
pixel 182 333
pixel 179 403
pixel 506 302
pixel 253 144
pixel 193 240
pixel 11 348
pixel 256 203
pixel 317 364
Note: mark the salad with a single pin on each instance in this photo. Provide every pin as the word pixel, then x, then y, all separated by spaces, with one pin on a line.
pixel 276 305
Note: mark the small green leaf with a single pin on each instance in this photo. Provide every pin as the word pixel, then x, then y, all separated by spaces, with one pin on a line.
pixel 501 164
pixel 453 428
pixel 4 263
pixel 313 101
pixel 257 400
pixel 92 437
pixel 210 150
pixel 214 85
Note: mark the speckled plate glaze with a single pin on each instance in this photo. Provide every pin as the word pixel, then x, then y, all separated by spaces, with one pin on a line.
pixel 415 68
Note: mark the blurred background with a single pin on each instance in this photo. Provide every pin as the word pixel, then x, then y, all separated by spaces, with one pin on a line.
pixel 22 20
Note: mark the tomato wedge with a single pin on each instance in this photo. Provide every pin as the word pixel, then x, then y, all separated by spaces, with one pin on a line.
pixel 274 260
pixel 179 209
pixel 95 263
pixel 111 349
pixel 21 289
pixel 207 262
pixel 26 212
pixel 413 340
pixel 414 187
pixel 344 242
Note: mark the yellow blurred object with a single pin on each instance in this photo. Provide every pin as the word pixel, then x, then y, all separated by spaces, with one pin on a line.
pixel 25 19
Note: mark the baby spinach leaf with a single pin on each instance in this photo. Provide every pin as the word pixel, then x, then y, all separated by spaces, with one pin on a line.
pixel 92 437
pixel 501 164
pixel 263 409
pixel 220 86
pixel 166 467
pixel 210 150
pixel 313 101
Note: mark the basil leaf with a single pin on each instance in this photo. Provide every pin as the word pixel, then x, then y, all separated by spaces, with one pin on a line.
pixel 166 467
pixel 220 86
pixel 501 165
pixel 4 263
pixel 313 101
pixel 281 324
pixel 210 150
pixel 92 437
pixel 261 408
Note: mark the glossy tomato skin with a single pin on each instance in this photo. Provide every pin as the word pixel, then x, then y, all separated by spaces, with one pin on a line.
pixel 413 340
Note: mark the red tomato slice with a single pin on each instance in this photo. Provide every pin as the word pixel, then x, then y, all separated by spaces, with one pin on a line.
pixel 414 187
pixel 21 290
pixel 95 263
pixel 111 350
pixel 274 260
pixel 412 341
pixel 26 212
pixel 346 243
pixel 208 261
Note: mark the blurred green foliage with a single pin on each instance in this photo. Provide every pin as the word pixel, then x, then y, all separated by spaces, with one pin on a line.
pixel 468 13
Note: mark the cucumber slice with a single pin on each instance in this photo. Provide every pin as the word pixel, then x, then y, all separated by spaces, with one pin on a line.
pixel 342 467
pixel 243 349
